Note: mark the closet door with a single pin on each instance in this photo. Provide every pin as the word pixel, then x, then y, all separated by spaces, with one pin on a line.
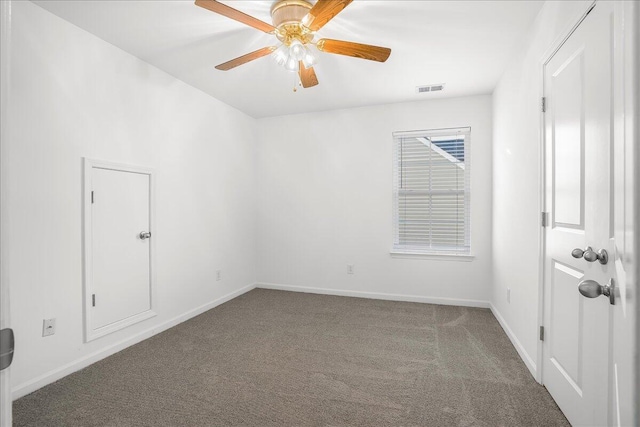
pixel 118 223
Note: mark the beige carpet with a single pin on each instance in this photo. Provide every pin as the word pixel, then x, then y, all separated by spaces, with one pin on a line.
pixel 273 358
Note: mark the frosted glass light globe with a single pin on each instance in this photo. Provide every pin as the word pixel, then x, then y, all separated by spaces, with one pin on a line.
pixel 297 50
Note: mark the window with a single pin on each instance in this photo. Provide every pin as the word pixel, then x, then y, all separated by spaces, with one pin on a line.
pixel 431 192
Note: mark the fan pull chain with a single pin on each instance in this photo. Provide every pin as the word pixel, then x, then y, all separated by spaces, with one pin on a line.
pixel 296 82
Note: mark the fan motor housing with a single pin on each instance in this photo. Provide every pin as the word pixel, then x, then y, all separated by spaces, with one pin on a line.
pixel 286 16
pixel 289 11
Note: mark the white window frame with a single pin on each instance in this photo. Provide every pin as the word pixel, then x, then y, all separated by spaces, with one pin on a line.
pixel 443 253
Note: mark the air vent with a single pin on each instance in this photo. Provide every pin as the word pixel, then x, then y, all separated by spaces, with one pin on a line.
pixel 430 88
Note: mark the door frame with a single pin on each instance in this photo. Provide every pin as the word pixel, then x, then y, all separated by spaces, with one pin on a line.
pixel 5 86
pixel 635 130
pixel 87 289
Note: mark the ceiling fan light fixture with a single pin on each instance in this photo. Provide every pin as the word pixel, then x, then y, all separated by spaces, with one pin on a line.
pixel 290 56
pixel 297 50
pixel 292 64
pixel 280 55
pixel 308 59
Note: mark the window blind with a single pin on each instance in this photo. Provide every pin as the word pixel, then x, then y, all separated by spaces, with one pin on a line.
pixel 432 191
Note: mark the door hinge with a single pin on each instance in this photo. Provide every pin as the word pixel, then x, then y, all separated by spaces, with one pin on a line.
pixel 544 104
pixel 93 300
pixel 92 197
pixel 544 219
pixel 541 333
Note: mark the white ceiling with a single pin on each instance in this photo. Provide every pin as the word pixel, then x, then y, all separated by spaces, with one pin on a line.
pixel 465 44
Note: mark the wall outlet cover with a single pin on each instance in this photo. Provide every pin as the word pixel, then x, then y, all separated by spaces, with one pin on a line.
pixel 48 327
pixel 350 269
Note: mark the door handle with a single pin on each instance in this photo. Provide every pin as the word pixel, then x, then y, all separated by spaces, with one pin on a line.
pixel 578 253
pixel 144 235
pixel 590 255
pixel 593 289
pixel 601 256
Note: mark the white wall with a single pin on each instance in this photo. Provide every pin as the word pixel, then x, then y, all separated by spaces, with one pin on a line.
pixel 516 177
pixel 325 201
pixel 74 95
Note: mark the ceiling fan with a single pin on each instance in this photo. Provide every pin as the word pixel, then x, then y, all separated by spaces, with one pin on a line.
pixel 295 23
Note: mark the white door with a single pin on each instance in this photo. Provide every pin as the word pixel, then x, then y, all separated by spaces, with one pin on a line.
pixel 578 180
pixel 589 142
pixel 119 247
pixel 626 104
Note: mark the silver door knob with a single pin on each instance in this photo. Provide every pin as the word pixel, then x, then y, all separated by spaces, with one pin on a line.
pixel 590 255
pixel 578 253
pixel 601 256
pixel 144 235
pixel 593 289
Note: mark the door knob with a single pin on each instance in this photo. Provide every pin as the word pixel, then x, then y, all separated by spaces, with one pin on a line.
pixel 578 253
pixel 593 289
pixel 590 255
pixel 601 256
pixel 145 235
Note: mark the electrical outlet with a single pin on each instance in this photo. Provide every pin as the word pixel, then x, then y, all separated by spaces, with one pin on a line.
pixel 509 295
pixel 350 269
pixel 48 327
pixel 218 275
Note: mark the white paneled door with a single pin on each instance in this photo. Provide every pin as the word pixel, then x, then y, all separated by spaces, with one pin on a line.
pixel 579 198
pixel 118 256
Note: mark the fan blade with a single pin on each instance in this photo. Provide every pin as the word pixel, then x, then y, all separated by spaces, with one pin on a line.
pixel 322 12
pixel 307 76
pixel 357 50
pixel 246 58
pixel 229 12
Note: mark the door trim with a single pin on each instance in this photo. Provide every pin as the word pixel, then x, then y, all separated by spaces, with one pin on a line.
pixel 89 333
pixel 634 28
pixel 5 224
pixel 546 57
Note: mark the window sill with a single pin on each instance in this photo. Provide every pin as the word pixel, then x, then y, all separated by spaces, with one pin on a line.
pixel 432 255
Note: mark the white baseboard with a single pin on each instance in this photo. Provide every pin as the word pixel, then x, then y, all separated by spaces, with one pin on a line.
pixel 376 295
pixel 526 358
pixel 56 374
